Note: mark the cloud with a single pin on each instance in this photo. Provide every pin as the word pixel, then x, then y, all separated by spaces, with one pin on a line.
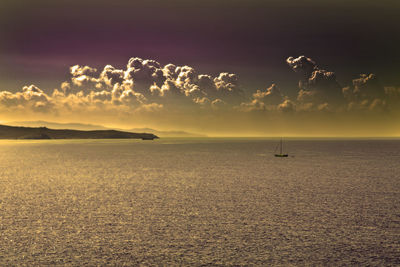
pixel 144 73
pixel 31 97
pixel 155 82
pixel 77 71
pixel 143 86
pixel 109 76
pixel 318 87
pixel 81 76
pixel 287 106
pixel 367 93
pixel 319 90
pixel 302 64
pixel 270 99
pixel 367 86
pixel 146 90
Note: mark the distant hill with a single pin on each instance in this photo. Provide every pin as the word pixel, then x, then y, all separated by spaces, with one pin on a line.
pixel 91 127
pixel 13 132
pixel 167 133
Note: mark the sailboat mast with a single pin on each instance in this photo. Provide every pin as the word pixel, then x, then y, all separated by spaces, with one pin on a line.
pixel 281 145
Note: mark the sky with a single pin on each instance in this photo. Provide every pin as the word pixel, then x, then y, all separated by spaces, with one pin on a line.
pixel 237 66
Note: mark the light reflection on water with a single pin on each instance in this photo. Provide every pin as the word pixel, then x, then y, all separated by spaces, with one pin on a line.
pixel 199 201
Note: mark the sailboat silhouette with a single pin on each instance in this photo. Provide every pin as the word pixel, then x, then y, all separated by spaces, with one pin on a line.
pixel 280 155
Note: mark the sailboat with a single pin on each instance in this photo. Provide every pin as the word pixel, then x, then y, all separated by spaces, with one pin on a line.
pixel 281 155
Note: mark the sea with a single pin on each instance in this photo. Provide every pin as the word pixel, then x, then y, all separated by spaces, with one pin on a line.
pixel 200 202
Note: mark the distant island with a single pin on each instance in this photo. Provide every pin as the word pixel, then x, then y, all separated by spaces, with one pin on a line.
pixel 167 133
pixel 15 132
pixel 91 127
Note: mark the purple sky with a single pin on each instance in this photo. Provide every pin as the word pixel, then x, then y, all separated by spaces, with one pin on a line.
pixel 41 39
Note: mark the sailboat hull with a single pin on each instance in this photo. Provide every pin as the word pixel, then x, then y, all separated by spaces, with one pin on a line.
pixel 281 155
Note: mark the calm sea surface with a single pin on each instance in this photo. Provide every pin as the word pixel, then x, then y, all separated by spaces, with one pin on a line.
pixel 199 201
